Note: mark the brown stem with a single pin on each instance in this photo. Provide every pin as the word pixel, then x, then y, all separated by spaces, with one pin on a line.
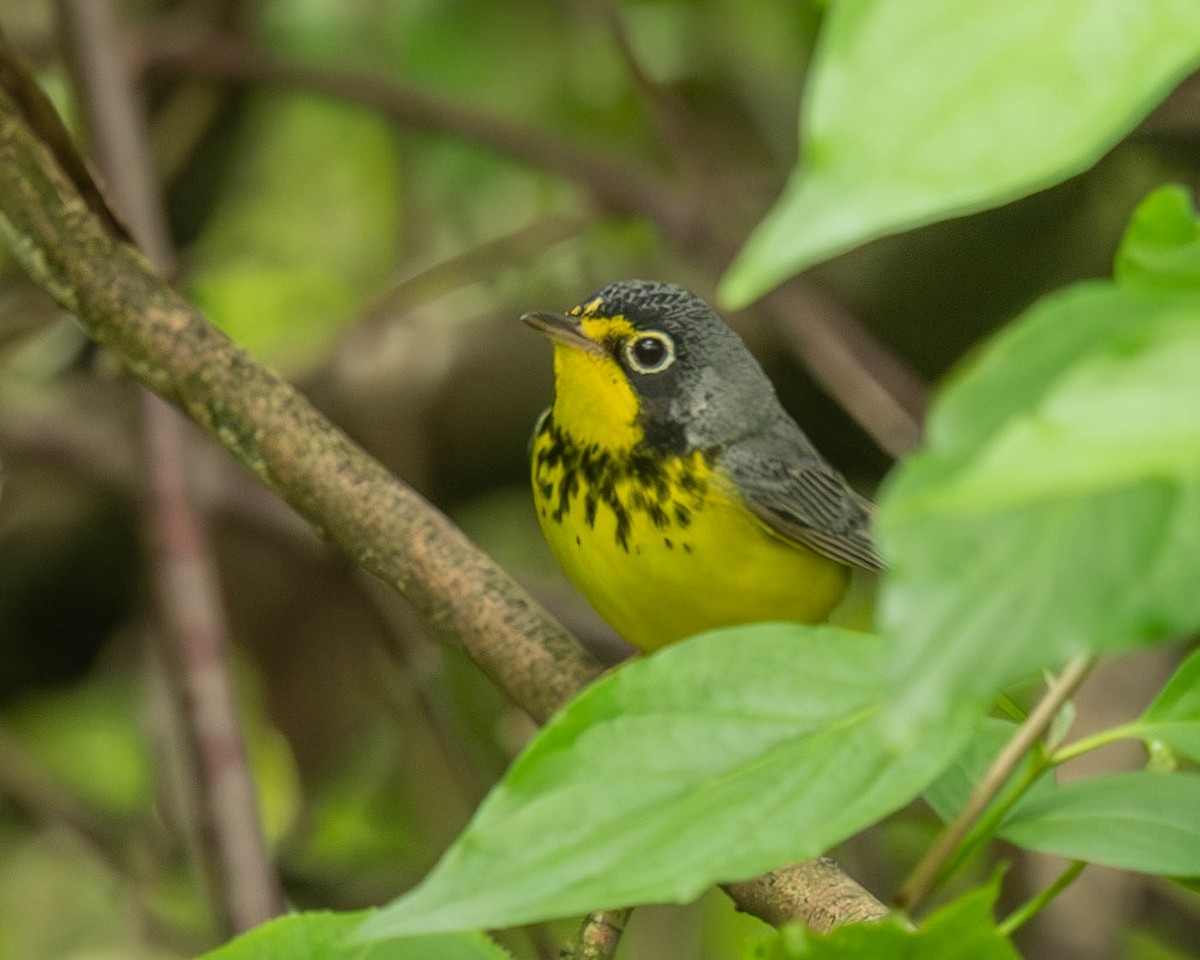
pixel 878 391
pixel 241 878
pixel 388 529
pixel 599 934
pixel 818 892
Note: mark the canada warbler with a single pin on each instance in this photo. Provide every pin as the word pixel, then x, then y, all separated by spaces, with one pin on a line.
pixel 673 488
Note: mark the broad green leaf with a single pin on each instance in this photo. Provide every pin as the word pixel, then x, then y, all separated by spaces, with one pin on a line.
pixel 1055 507
pixel 915 112
pixel 1161 247
pixel 961 930
pixel 715 759
pixel 1133 821
pixel 1174 716
pixel 330 936
pixel 949 792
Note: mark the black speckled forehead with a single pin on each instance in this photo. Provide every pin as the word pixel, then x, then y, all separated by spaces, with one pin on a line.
pixel 649 303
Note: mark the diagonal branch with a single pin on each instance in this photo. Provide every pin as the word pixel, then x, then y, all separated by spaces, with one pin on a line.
pixel 168 345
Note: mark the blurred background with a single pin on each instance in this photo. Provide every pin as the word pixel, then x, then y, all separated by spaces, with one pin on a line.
pixel 367 194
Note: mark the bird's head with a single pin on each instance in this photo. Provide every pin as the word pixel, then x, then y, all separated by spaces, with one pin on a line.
pixel 648 362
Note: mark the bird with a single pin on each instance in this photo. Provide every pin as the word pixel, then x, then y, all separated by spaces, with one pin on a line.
pixel 670 483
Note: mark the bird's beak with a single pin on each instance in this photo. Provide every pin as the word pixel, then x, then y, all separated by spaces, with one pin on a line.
pixel 563 329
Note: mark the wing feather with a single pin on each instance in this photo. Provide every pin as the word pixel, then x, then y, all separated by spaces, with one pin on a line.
pixel 801 497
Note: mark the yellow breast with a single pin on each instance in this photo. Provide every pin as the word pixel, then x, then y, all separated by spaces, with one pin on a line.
pixel 664 547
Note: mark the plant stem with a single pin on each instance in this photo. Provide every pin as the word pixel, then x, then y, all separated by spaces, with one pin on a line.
pixel 1125 731
pixel 599 934
pixel 923 877
pixel 1031 907
pixel 990 820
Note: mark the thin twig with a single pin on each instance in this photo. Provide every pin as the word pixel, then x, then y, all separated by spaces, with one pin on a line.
pixel 464 267
pixel 921 881
pixel 660 103
pixel 599 934
pixel 242 881
pixel 167 344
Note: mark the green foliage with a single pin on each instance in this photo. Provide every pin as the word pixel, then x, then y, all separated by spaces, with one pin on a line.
pixel 330 936
pixel 918 112
pixel 961 930
pixel 1161 249
pixel 1053 509
pixel 1143 820
pixel 1174 717
pixel 711 760
pixel 1054 505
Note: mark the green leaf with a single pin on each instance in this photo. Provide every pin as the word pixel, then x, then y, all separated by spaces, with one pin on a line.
pixel 1174 716
pixel 919 111
pixel 948 794
pixel 713 760
pixel 961 930
pixel 1133 821
pixel 330 936
pixel 1161 247
pixel 1055 506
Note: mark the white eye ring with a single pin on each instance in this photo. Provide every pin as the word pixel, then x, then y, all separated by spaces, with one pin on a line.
pixel 650 351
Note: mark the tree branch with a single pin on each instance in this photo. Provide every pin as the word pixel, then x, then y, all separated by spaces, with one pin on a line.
pixel 599 934
pixel 169 346
pixel 818 892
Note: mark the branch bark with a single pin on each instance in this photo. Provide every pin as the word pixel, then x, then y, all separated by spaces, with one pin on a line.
pixel 169 346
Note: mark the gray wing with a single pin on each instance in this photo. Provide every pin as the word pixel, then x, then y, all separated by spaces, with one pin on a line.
pixel 798 495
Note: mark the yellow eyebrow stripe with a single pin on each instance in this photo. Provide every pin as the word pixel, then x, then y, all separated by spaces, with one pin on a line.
pixel 601 328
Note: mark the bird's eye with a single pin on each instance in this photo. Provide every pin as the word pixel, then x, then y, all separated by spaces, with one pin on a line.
pixel 650 352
